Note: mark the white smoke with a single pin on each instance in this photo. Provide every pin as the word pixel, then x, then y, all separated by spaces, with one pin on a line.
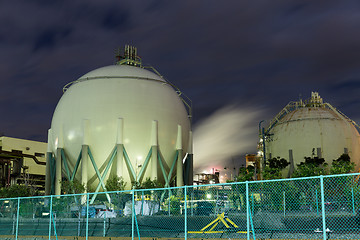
pixel 223 136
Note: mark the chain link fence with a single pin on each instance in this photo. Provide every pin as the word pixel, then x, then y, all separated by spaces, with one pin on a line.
pixel 325 207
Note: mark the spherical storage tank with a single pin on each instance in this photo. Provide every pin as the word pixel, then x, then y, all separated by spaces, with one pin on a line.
pixel 123 108
pixel 312 128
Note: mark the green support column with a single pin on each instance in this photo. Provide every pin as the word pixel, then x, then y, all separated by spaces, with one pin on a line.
pixel 84 165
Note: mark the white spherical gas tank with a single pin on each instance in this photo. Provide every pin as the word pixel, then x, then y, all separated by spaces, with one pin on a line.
pixel 307 130
pixel 100 98
pixel 312 128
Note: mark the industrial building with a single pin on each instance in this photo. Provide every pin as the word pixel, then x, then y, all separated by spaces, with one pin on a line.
pixel 22 162
pixel 310 128
pixel 122 120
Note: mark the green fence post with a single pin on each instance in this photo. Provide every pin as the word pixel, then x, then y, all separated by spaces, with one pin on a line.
pixel 14 223
pixel 247 211
pixel 79 220
pixel 169 202
pixel 252 204
pixel 133 212
pixel 192 201
pixel 317 202
pixel 185 209
pixel 142 203
pixel 323 205
pixel 87 216
pixel 353 200
pixel 50 215
pixel 284 204
pixel 104 230
pixel 17 219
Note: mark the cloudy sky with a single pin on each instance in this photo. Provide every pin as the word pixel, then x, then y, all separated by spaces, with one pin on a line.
pixel 239 61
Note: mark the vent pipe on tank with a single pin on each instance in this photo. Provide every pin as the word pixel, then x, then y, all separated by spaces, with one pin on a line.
pixel 128 56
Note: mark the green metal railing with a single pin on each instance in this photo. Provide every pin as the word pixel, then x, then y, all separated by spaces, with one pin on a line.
pixel 324 207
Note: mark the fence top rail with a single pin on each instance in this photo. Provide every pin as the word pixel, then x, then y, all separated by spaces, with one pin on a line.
pixel 188 187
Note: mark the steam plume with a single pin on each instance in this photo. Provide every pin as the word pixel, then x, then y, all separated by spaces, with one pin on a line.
pixel 226 134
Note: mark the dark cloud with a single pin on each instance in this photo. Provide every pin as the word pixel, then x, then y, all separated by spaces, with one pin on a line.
pixel 115 19
pixel 49 38
pixel 348 85
pixel 254 54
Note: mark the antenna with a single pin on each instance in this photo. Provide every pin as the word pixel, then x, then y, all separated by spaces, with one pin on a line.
pixel 128 56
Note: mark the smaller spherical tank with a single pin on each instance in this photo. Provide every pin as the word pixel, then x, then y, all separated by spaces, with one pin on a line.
pixel 313 129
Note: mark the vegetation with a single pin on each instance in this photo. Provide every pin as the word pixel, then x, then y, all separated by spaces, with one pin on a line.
pixel 297 193
pixel 174 203
pixel 274 167
pixel 119 199
pixel 245 174
pixel 311 167
pixel 17 191
pixel 72 187
pixel 115 183
pixel 150 184
pixel 342 165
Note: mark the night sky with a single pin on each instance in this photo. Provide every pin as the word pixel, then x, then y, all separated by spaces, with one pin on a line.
pixel 239 61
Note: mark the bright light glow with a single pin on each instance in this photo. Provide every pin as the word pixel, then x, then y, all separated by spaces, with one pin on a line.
pixel 261 140
pixel 56 143
pixel 208 196
pixel 99 128
pixel 71 135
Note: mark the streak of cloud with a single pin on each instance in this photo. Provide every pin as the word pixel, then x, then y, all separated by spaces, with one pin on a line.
pixel 229 132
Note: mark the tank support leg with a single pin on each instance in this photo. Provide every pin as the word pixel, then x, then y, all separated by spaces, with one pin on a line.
pixel 144 167
pixel 120 146
pixel 85 154
pixel 179 167
pixel 129 166
pixel 167 184
pixel 168 179
pixel 48 175
pixel 98 173
pixel 154 162
pixel 58 172
pixel 120 160
pixel 84 165
pixel 64 160
pixel 101 180
pixel 76 166
pixel 154 147
pixel 188 173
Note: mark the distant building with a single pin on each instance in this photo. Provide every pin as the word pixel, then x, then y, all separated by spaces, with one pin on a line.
pixel 206 178
pixel 252 160
pixel 22 162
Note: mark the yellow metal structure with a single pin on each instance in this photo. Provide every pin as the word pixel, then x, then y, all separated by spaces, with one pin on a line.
pixel 221 218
